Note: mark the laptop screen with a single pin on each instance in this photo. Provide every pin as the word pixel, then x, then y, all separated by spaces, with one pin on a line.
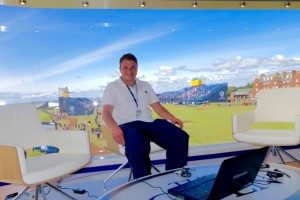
pixel 237 173
pixel 234 174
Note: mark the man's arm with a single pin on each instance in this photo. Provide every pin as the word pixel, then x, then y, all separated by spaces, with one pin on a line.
pixel 117 132
pixel 165 114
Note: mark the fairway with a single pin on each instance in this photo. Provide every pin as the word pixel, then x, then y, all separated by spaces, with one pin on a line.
pixel 210 124
pixel 206 125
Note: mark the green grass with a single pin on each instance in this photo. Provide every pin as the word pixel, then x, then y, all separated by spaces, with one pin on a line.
pixel 44 116
pixel 205 125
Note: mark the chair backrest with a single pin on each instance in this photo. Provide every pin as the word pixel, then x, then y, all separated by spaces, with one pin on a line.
pixel 278 105
pixel 20 124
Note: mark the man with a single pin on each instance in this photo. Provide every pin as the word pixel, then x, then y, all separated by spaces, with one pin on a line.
pixel 126 110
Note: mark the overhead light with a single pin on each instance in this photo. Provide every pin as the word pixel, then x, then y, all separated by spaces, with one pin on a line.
pixel 195 4
pixel 287 4
pixel 85 4
pixel 142 4
pixel 243 4
pixel 22 2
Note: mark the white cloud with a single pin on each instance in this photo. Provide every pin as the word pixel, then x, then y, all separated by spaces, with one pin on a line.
pixel 242 64
pixel 238 71
pixel 167 71
pixel 171 71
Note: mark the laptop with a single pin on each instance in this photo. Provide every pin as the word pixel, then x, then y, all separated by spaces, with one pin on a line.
pixel 234 174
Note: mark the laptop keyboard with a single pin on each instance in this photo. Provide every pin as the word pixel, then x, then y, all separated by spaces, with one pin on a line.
pixel 201 191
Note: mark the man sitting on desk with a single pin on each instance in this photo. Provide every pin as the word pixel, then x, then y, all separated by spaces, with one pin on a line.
pixel 126 110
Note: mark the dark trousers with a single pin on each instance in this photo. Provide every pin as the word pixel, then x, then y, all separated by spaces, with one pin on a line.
pixel 138 135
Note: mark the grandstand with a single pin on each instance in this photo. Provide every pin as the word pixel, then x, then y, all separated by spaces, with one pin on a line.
pixel 196 94
pixel 74 106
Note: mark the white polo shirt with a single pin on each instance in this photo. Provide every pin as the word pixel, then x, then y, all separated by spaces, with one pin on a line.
pixel 125 109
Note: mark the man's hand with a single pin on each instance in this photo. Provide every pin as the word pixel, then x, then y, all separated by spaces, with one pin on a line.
pixel 177 121
pixel 118 136
pixel 165 114
pixel 117 132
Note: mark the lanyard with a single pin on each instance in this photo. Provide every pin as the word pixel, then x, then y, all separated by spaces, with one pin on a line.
pixel 135 99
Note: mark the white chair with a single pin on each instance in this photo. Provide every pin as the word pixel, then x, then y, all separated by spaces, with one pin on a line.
pixel 112 146
pixel 21 129
pixel 273 105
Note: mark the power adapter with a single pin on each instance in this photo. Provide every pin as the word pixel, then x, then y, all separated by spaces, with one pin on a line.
pixel 79 191
pixel 276 175
pixel 10 196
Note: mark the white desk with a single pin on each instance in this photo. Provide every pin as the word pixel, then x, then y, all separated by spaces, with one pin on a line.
pixel 155 187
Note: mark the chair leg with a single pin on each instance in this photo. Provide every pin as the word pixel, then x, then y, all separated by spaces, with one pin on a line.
pixel 275 152
pixel 20 194
pixel 121 167
pixel 42 192
pixel 269 151
pixel 130 175
pixel 60 191
pixel 36 193
pixel 279 154
pixel 287 154
pixel 157 170
pixel 39 190
pixel 117 170
pixel 153 166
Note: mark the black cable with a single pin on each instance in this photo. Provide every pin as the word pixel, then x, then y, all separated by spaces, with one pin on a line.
pixel 60 187
pixel 94 196
pixel 266 182
pixel 84 191
pixel 46 193
pixel 158 187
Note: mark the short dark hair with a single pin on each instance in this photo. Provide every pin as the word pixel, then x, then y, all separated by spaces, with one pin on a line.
pixel 128 56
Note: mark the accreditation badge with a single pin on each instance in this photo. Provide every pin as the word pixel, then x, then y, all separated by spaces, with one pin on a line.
pixel 138 113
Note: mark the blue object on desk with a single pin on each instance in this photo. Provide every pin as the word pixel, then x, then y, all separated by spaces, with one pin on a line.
pixel 46 149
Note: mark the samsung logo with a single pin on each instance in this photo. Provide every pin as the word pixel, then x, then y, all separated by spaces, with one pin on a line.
pixel 239 175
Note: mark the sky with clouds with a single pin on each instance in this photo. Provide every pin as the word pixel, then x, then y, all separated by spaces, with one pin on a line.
pixel 44 49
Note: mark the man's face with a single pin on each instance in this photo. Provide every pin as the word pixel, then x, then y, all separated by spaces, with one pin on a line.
pixel 128 69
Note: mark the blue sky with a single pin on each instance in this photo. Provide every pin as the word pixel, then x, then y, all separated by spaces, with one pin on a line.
pixel 44 49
